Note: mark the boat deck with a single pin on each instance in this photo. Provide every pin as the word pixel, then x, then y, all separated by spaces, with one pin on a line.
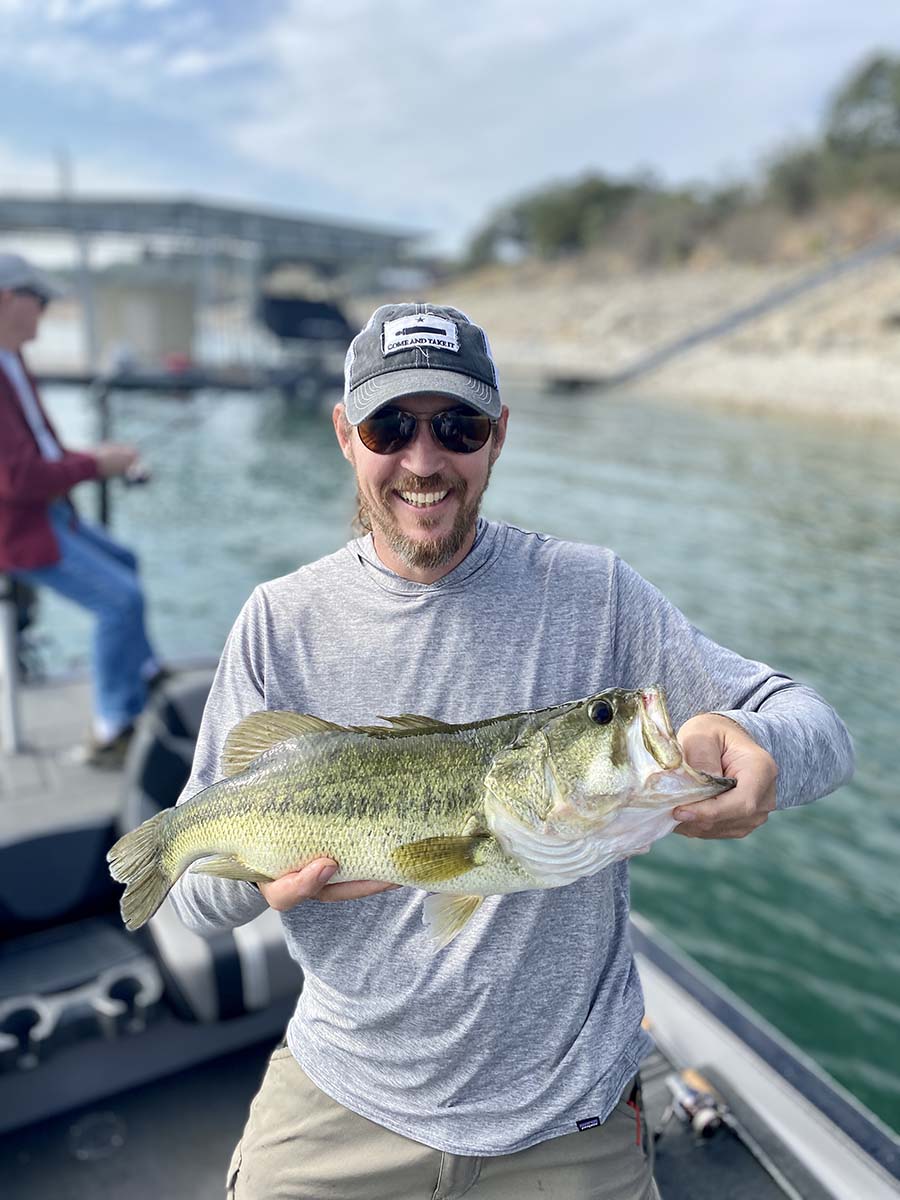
pixel 44 787
pixel 174 1138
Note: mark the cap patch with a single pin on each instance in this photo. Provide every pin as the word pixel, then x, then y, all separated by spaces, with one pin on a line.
pixel 421 329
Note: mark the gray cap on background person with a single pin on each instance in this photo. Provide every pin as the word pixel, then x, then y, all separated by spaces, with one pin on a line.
pixel 407 349
pixel 17 274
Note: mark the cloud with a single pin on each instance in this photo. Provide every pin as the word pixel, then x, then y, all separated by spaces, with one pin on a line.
pixel 194 62
pixel 76 12
pixel 33 172
pixel 428 115
pixel 425 116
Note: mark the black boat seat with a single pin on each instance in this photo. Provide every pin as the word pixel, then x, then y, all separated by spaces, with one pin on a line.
pixel 208 977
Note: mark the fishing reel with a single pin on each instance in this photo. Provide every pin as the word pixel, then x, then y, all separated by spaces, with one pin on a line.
pixel 694 1102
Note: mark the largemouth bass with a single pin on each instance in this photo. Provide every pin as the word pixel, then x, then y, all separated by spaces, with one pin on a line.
pixel 529 800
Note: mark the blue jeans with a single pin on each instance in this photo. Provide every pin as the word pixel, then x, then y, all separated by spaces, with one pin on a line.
pixel 97 573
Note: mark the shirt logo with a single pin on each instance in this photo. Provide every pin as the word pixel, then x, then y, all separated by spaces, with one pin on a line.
pixel 423 329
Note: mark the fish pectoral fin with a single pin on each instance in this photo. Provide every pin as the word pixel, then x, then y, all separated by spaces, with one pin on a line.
pixel 259 732
pixel 444 916
pixel 438 858
pixel 229 866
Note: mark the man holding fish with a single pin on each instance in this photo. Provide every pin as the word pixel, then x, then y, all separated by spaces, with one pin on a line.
pixel 491 1051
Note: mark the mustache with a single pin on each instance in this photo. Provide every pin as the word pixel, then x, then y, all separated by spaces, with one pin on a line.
pixel 423 483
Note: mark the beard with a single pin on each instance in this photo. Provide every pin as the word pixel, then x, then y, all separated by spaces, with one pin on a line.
pixel 427 553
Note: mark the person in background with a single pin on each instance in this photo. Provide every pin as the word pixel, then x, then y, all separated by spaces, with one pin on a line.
pixel 45 543
pixel 504 1067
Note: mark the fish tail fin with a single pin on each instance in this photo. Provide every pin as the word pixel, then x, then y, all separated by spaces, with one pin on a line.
pixel 136 861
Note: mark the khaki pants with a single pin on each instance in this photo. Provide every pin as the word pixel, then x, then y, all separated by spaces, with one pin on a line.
pixel 299 1144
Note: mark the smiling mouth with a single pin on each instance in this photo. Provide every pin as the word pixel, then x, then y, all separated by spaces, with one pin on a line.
pixel 423 499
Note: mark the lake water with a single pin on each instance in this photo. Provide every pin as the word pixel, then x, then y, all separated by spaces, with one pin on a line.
pixel 778 538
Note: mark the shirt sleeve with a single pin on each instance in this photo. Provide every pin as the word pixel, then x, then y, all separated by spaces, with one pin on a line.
pixel 655 643
pixel 205 903
pixel 32 480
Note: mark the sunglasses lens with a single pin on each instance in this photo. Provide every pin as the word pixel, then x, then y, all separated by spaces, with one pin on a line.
pixel 461 430
pixel 387 430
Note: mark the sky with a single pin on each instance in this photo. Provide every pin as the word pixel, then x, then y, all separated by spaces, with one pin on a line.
pixel 419 116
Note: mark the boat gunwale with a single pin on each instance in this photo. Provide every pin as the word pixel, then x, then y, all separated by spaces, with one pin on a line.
pixel 861 1126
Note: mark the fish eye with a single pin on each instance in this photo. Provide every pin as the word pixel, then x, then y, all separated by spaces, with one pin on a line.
pixel 601 712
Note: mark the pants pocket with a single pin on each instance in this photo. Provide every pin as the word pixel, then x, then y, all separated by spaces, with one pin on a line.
pixel 631 1107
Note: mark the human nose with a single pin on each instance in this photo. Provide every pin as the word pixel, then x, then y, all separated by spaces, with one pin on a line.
pixel 424 454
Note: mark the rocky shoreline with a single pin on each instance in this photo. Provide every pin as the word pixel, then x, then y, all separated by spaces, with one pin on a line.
pixel 833 352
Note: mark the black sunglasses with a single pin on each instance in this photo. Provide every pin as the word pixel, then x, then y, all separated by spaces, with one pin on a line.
pixel 461 430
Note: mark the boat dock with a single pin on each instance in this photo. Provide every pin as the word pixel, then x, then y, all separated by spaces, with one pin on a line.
pixel 43 786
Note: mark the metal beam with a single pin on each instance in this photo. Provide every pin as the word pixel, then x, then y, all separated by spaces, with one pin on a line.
pixel 306 238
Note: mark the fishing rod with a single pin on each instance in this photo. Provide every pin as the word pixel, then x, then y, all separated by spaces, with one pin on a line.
pixel 140 471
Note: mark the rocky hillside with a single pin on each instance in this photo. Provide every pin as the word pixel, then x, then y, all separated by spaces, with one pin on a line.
pixel 835 350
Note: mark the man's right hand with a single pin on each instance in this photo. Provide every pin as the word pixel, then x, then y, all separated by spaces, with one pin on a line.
pixel 311 883
pixel 113 458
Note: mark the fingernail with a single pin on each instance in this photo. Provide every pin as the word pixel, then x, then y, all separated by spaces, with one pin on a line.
pixel 326 873
pixel 684 815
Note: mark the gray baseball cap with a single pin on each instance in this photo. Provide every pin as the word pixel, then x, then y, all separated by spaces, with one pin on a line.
pixel 407 349
pixel 18 274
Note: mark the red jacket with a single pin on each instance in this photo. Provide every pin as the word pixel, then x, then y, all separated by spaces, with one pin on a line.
pixel 28 483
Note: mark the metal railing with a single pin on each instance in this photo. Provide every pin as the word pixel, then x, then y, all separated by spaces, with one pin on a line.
pixel 10 722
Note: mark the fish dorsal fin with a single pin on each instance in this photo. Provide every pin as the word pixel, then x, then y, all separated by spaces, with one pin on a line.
pixel 406 723
pixel 413 721
pixel 259 732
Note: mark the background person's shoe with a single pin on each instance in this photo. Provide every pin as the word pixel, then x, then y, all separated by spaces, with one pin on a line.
pixel 108 755
pixel 161 676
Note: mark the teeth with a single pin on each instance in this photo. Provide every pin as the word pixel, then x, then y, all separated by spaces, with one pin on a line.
pixel 423 499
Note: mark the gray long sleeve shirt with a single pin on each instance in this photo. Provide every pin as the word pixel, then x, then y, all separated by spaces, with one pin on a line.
pixel 531 1019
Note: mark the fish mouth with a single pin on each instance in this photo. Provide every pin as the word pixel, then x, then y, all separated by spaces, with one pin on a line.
pixel 675 778
pixel 686 784
pixel 656 729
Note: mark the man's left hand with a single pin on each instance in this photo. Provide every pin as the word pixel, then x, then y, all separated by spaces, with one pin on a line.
pixel 719 746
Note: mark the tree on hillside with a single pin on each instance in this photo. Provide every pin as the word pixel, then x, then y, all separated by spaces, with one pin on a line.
pixel 858 151
pixel 865 114
pixel 556 219
pixel 794 178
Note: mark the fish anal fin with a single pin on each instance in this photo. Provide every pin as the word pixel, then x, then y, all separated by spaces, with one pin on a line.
pixel 259 732
pixel 435 859
pixel 229 866
pixel 445 914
